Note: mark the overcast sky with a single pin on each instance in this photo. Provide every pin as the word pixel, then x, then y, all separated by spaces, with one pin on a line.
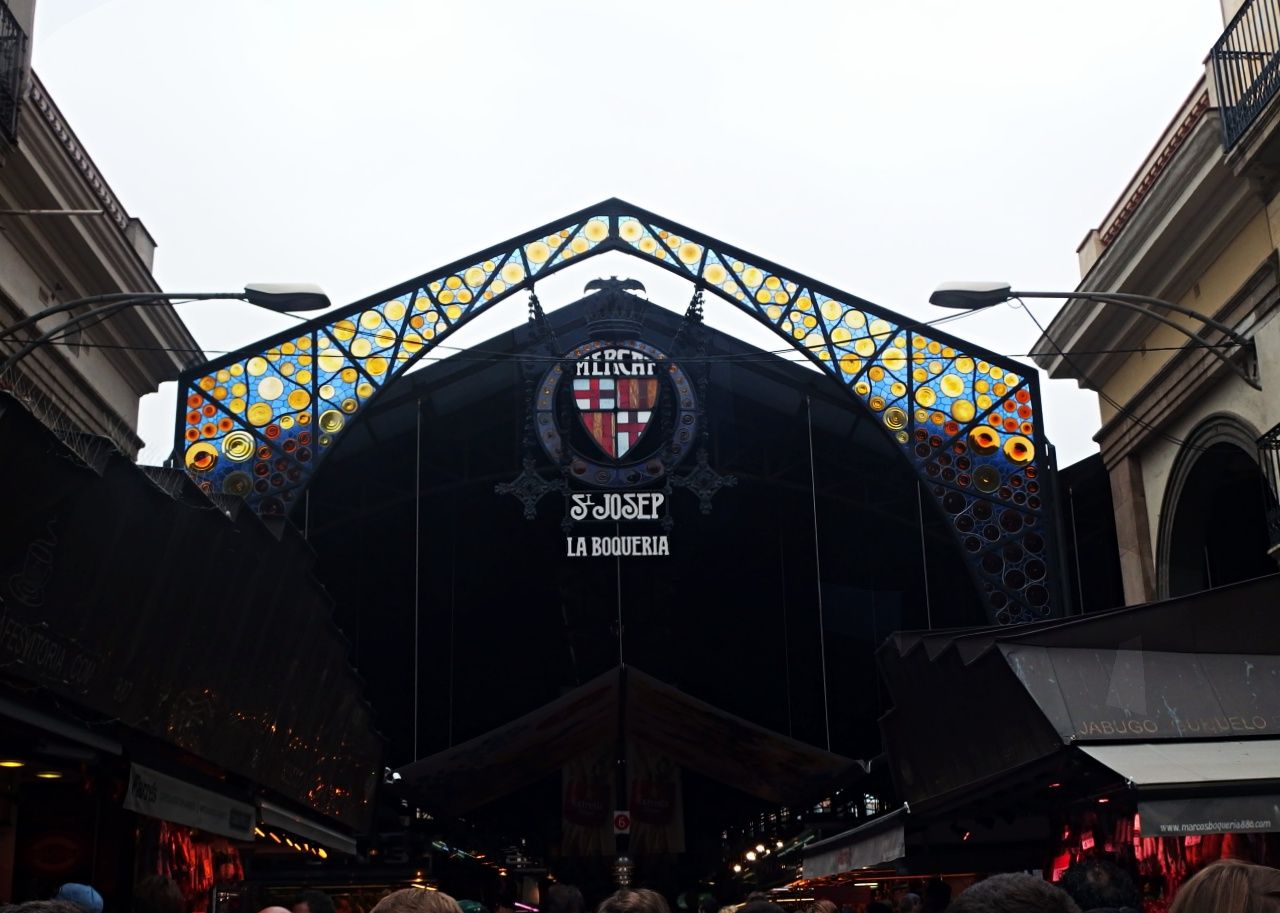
pixel 879 147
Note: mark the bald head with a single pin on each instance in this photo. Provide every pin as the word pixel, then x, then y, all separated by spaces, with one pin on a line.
pixel 275 910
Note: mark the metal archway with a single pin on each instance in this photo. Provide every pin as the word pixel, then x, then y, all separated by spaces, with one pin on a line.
pixel 258 423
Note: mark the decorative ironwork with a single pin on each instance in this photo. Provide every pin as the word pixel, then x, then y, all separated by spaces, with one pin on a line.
pixel 1269 458
pixel 1246 67
pixel 703 481
pixel 13 55
pixel 529 488
pixel 257 423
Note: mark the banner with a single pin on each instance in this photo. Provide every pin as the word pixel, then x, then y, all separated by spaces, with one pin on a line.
pixel 655 788
pixel 587 800
pixel 159 796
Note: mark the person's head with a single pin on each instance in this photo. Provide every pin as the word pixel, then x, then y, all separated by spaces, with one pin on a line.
pixel 760 906
pixel 275 910
pixel 638 900
pixel 937 896
pixel 82 895
pixel 1099 884
pixel 416 900
pixel 910 903
pixel 313 902
pixel 42 906
pixel 563 898
pixel 1013 893
pixel 822 905
pixel 1229 886
pixel 158 894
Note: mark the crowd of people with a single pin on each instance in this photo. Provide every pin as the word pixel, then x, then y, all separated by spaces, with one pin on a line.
pixel 1227 886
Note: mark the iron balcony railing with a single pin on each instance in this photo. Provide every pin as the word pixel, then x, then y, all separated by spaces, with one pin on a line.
pixel 1269 457
pixel 1246 66
pixel 13 53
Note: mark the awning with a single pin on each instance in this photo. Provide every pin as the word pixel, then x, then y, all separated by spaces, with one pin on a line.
pixel 870 845
pixel 1167 763
pixel 160 796
pixel 310 830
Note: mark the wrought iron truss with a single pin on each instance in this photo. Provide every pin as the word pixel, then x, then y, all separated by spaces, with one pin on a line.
pixel 258 423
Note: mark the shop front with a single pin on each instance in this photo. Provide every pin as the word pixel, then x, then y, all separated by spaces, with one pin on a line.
pixel 1148 736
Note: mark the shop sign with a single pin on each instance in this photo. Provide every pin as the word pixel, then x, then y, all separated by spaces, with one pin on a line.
pixel 1210 815
pixel 160 796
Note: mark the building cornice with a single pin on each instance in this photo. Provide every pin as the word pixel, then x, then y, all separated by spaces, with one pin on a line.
pixel 93 178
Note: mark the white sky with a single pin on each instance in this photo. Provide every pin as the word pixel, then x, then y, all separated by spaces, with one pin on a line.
pixel 879 147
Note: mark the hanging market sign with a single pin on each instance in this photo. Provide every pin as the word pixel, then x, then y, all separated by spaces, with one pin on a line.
pixel 617 416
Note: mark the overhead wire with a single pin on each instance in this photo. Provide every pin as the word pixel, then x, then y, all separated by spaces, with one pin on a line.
pixel 1120 408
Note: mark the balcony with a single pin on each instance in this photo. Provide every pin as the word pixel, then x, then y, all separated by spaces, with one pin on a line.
pixel 13 55
pixel 1246 67
pixel 1269 458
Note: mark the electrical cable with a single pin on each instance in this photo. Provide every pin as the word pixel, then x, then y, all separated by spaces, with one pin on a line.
pixel 1097 388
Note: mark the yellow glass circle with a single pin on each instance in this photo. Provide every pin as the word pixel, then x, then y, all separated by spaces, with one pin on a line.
pixel 1019 449
pixel 850 364
pixel 445 297
pixel 537 252
pixel 919 375
pixel 894 359
pixel 370 319
pixel 862 388
pixel 364 390
pixel 752 276
pixel 984 401
pixel 512 273
pixel 385 337
pixel 925 396
pixel 331 420
pixel 855 319
pixel 951 385
pixel 474 277
pixel 238 446
pixel 895 418
pixel 236 370
pixel 898 388
pixel 286 421
pixel 982 386
pixel 875 372
pixel 376 365
pixel 831 309
pixel 411 343
pixel 223 376
pixel 984 440
pixel 394 310
pixel 349 375
pixel 330 361
pixel 201 457
pixel 256 366
pixel 270 388
pixel 962 410
pixel 286 369
pixel 689 252
pixel 935 367
pixel 865 347
pixel 349 405
pixel 464 296
pixel 236 405
pixel 580 245
pixel 303 377
pixel 344 330
pixel 361 347
pixel 840 334
pixel 327 391
pixel 421 303
pixel 630 230
pixel 880 328
pixel 596 230
pixel 299 399
pixel 876 403
pixel 763 296
pixel 259 414
pixel 714 273
pixel 453 312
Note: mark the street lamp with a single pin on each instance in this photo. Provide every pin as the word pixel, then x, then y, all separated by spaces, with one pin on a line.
pixel 278 297
pixel 974 296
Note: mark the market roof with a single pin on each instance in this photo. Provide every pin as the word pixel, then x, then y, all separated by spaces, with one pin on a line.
pixel 643 709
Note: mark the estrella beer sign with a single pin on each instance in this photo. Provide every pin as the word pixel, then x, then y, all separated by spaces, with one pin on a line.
pixel 618 416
